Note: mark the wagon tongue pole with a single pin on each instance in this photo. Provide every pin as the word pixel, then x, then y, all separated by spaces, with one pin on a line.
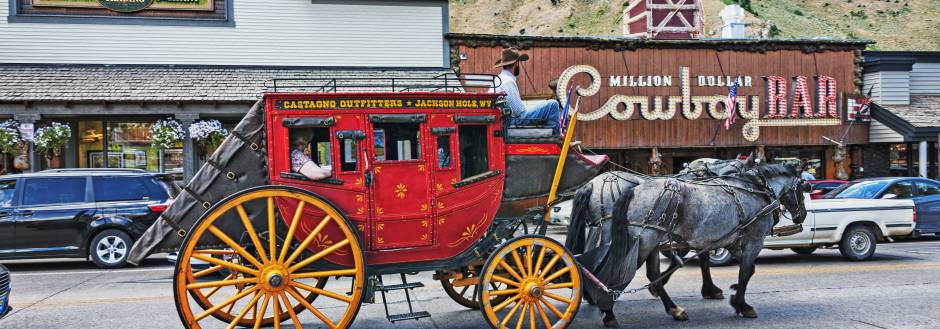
pixel 569 133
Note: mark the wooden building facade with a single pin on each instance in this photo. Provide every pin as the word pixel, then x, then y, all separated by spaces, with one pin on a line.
pixel 644 97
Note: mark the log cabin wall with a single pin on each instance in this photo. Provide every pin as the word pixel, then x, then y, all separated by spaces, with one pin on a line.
pixel 550 56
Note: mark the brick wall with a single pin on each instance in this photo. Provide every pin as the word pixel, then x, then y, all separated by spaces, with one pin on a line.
pixel 875 160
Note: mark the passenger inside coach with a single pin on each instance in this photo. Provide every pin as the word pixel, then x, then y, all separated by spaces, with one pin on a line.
pixel 301 162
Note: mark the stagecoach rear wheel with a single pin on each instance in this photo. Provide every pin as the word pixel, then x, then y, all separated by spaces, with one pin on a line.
pixel 466 291
pixel 543 284
pixel 273 275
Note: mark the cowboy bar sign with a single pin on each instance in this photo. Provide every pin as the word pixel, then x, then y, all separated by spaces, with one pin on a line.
pixel 788 101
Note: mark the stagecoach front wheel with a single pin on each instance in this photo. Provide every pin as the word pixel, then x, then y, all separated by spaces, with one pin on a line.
pixel 540 278
pixel 262 257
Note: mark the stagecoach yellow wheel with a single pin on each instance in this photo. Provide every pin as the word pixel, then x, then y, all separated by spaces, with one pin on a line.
pixel 261 272
pixel 542 280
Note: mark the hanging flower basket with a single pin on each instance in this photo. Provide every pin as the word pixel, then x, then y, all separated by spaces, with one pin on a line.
pixel 9 136
pixel 50 139
pixel 166 134
pixel 207 133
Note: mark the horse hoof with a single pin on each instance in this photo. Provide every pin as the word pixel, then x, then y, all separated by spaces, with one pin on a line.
pixel 750 314
pixel 679 314
pixel 611 322
pixel 714 295
pixel 653 292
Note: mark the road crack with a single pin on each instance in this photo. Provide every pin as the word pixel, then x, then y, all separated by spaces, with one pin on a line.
pixel 15 310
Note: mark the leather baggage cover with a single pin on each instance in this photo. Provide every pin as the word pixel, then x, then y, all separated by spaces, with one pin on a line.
pixel 239 163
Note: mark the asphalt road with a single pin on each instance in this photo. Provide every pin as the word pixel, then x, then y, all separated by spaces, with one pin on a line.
pixel 899 288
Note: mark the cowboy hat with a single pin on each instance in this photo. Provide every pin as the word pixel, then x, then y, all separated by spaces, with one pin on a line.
pixel 510 56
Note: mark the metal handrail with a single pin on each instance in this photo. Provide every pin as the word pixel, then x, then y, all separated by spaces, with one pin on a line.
pixel 447 82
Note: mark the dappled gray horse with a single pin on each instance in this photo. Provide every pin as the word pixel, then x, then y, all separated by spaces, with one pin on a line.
pixel 593 204
pixel 734 212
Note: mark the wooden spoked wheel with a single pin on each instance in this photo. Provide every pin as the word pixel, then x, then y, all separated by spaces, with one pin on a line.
pixel 261 274
pixel 465 291
pixel 543 284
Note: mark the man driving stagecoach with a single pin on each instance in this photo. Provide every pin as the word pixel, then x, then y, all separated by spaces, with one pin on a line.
pixel 546 112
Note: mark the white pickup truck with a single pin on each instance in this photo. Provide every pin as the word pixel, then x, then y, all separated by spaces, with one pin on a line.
pixel 854 225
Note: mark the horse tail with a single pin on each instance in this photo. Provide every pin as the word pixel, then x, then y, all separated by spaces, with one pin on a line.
pixel 580 214
pixel 620 265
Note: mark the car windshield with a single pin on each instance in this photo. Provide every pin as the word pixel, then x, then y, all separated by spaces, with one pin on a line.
pixel 858 190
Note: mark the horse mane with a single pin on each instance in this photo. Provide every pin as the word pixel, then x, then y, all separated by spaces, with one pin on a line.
pixel 776 169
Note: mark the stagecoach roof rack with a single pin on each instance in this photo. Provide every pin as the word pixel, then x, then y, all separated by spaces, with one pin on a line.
pixel 445 82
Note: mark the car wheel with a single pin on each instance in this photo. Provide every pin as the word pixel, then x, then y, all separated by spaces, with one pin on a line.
pixel 720 257
pixel 804 250
pixel 858 243
pixel 109 249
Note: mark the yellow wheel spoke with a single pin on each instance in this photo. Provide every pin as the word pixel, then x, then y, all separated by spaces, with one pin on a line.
pixel 208 271
pixel 317 256
pixel 510 314
pixel 556 297
pixel 319 291
pixel 234 245
pixel 560 286
pixel 214 252
pixel 323 274
pixel 510 270
pixel 528 258
pixel 289 238
pixel 549 266
pixel 548 323
pixel 531 315
pixel 244 311
pixel 501 279
pixel 231 266
pixel 504 292
pixel 312 235
pixel 538 263
pixel 272 236
pixel 310 308
pixel 264 309
pixel 250 229
pixel 558 273
pixel 225 303
pixel 221 283
pixel 525 308
pixel 290 310
pixel 505 303
pixel 277 311
pixel 518 261
pixel 214 290
pixel 552 308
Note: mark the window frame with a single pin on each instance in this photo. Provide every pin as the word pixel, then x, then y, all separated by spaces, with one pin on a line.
pixel 486 149
pixel 88 193
pixel 421 135
pixel 148 189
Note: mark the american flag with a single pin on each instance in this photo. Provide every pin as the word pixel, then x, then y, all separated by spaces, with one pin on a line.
pixel 731 105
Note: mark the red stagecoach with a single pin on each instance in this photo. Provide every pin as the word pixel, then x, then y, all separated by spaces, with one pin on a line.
pixel 427 177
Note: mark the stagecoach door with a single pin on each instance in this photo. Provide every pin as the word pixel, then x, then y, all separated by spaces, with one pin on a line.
pixel 400 182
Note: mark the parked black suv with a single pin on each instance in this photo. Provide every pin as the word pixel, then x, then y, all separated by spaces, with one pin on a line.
pixel 93 213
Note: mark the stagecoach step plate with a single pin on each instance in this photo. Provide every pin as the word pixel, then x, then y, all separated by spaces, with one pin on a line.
pixel 408 316
pixel 410 285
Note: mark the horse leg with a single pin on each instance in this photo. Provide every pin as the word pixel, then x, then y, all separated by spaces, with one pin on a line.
pixel 672 265
pixel 709 290
pixel 653 273
pixel 745 271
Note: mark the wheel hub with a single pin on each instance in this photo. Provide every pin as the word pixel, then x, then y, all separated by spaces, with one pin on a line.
pixel 531 291
pixel 535 291
pixel 275 278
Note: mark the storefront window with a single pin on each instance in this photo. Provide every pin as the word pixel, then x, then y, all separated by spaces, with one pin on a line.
pixel 128 146
pixel 898 156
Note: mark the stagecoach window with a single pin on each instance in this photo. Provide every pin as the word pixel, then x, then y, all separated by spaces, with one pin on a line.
pixel 443 152
pixel 397 141
pixel 348 154
pixel 314 143
pixel 473 150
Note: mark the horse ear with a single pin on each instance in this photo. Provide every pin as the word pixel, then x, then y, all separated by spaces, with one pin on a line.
pixel 751 160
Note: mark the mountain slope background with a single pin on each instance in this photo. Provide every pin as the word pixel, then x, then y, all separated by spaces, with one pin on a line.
pixel 892 24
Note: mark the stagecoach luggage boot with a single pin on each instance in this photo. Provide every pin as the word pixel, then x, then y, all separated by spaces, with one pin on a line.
pixel 240 162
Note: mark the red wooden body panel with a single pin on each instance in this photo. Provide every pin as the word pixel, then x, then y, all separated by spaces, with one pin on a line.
pixel 533 149
pixel 412 211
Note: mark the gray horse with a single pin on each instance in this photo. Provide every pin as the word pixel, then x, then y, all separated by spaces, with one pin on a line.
pixel 696 213
pixel 593 204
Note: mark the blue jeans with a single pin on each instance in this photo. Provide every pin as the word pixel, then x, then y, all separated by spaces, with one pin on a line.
pixel 548 111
